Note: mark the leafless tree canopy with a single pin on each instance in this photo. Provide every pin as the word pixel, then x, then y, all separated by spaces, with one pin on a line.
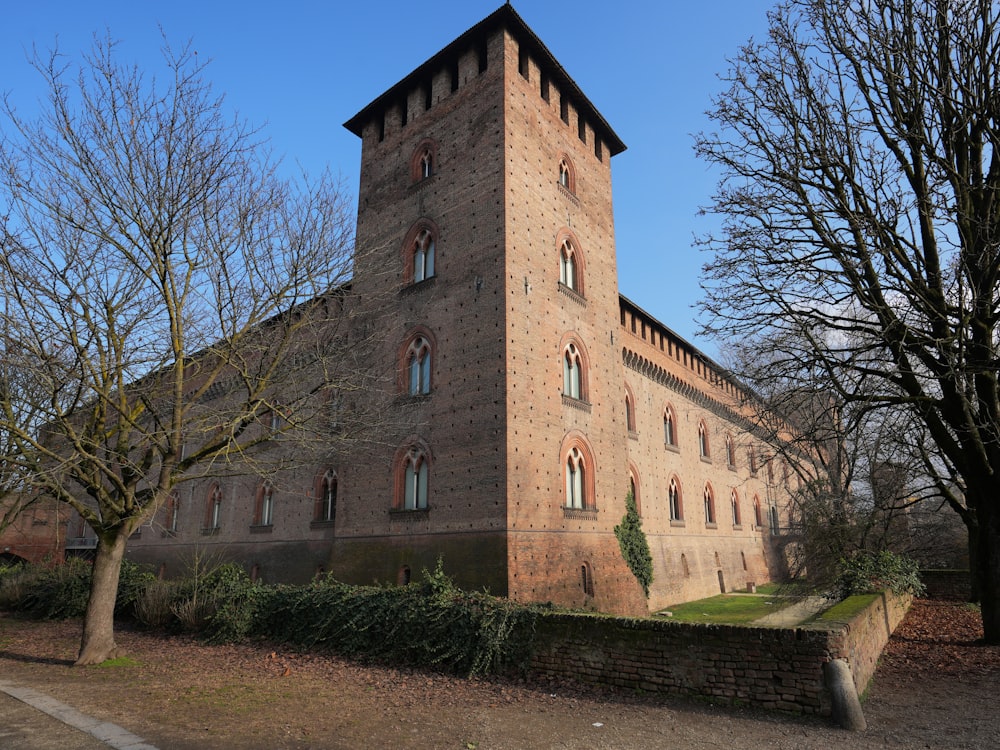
pixel 860 187
pixel 166 292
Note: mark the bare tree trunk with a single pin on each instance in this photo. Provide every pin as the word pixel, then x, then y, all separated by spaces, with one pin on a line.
pixel 975 583
pixel 987 565
pixel 98 641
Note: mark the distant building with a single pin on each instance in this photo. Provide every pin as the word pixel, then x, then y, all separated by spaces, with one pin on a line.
pixel 531 395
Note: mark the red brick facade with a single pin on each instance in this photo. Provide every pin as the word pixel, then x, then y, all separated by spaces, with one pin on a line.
pixel 485 192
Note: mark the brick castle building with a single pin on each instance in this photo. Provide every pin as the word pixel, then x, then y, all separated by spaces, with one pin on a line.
pixel 530 396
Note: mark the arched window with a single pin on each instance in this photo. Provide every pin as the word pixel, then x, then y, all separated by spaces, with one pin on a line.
pixel 173 512
pixel 676 502
pixel 752 461
pixel 669 427
pixel 576 471
pixel 735 500
pixel 587 579
pixel 413 471
pixel 730 452
pixel 567 265
pixel 758 518
pixel 573 372
pixel 704 448
pixel 424 160
pixel 774 519
pixel 567 174
pixel 629 410
pixel 213 510
pixel 572 264
pixel 326 497
pixel 633 486
pixel 264 507
pixel 418 367
pixel 423 256
pixel 709 499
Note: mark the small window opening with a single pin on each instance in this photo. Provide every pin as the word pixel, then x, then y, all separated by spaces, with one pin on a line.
pixel 428 95
pixel 544 87
pixel 564 109
pixel 581 128
pixel 404 112
pixel 403 578
pixel 483 57
pixel 454 76
pixel 522 63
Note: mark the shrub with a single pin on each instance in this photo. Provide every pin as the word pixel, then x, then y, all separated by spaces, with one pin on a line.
pixel 433 624
pixel 634 545
pixel 871 572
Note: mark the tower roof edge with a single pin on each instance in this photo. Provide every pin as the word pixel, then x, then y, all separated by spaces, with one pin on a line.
pixel 504 17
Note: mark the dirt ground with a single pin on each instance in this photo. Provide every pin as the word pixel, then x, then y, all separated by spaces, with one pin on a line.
pixel 935 688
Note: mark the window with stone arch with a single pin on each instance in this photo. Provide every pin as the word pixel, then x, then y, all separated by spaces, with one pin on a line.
pixel 420 252
pixel 263 514
pixel 412 477
pixel 704 446
pixel 669 427
pixel 675 500
pixel 213 507
pixel 709 500
pixel 734 500
pixel 758 517
pixel 629 410
pixel 578 473
pixel 730 452
pixel 574 367
pixel 571 262
pixel 173 506
pixel 415 359
pixel 633 486
pixel 325 509
pixel 567 174
pixel 423 163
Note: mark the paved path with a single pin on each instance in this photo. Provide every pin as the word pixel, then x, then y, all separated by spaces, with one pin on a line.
pixel 791 616
pixel 34 721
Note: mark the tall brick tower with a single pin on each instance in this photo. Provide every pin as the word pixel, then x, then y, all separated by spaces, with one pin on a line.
pixel 485 216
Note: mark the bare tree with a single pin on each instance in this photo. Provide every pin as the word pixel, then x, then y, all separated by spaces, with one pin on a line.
pixel 861 198
pixel 180 307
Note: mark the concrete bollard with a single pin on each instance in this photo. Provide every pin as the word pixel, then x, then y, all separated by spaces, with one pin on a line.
pixel 846 705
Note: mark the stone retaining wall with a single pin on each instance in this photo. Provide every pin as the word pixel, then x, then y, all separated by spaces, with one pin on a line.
pixel 775 668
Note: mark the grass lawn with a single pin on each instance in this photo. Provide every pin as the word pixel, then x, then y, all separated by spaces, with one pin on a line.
pixel 729 609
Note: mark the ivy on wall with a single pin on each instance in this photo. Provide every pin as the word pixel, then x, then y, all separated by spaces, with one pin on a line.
pixel 634 545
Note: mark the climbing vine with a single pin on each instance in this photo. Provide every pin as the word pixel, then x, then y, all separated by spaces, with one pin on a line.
pixel 634 545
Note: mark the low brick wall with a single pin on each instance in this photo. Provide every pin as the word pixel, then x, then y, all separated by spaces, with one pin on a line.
pixel 774 668
pixel 860 639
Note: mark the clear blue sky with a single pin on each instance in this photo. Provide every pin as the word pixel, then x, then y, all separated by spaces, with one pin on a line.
pixel 303 68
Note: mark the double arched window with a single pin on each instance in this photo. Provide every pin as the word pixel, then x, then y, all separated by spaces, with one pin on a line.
pixel 423 163
pixel 213 507
pixel 567 265
pixel 669 427
pixel 578 473
pixel 676 502
pixel 572 264
pixel 326 497
pixel 416 357
pixel 704 447
pixel 423 256
pixel 412 475
pixel 567 174
pixel 573 377
pixel 264 507
pixel 418 367
pixel 709 500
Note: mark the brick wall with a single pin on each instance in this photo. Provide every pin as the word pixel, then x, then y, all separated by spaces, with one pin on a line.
pixel 774 668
